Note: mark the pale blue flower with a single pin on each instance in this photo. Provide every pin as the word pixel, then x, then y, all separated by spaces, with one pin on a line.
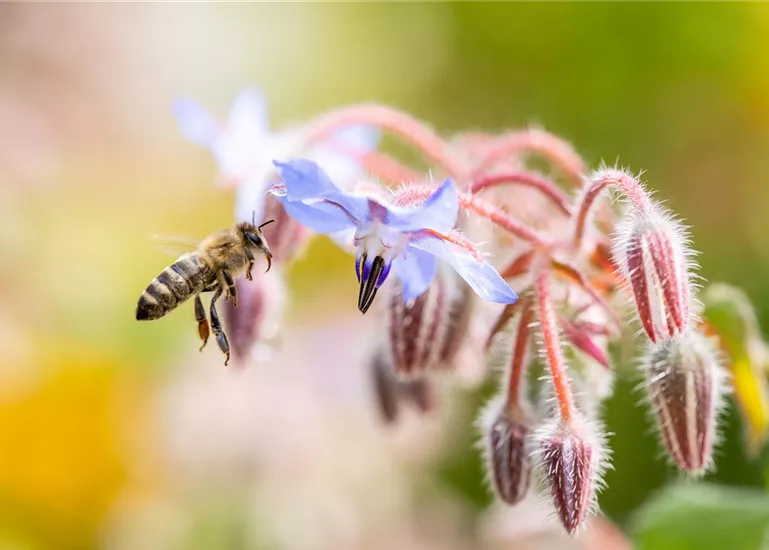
pixel 407 240
pixel 244 147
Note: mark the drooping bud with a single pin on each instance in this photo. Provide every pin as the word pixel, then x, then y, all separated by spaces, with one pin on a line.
pixel 390 393
pixel 570 457
pixel 685 383
pixel 257 317
pixel 651 250
pixel 506 434
pixel 427 332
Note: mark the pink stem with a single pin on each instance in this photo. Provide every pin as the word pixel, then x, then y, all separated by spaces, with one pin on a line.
pixel 402 125
pixel 380 164
pixel 503 220
pixel 627 184
pixel 518 364
pixel 552 148
pixel 551 342
pixel 547 187
pixel 492 213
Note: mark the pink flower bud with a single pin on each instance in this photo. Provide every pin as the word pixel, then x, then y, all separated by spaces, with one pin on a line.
pixel 257 316
pixel 685 383
pixel 426 333
pixel 506 436
pixel 651 250
pixel 570 457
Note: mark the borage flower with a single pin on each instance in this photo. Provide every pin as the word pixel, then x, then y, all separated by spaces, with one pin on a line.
pixel 244 147
pixel 406 240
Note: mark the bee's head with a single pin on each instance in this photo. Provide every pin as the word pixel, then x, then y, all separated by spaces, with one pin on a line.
pixel 253 238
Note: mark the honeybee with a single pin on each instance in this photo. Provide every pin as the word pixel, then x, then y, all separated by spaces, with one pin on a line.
pixel 211 268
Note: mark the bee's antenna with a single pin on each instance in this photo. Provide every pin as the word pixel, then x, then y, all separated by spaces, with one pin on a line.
pixel 265 223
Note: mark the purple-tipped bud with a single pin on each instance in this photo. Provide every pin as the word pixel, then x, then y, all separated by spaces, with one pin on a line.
pixel 685 382
pixel 507 454
pixel 426 333
pixel 257 315
pixel 653 255
pixel 570 458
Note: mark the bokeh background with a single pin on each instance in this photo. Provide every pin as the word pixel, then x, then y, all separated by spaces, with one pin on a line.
pixel 119 435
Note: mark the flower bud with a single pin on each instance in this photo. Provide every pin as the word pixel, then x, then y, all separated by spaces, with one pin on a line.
pixel 506 435
pixel 685 382
pixel 570 457
pixel 427 332
pixel 652 252
pixel 257 316
pixel 390 393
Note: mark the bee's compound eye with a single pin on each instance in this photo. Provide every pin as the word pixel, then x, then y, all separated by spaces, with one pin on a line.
pixel 253 238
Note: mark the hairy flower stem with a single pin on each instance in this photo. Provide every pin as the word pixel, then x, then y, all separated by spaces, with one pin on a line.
pixel 544 185
pixel 418 192
pixel 551 342
pixel 380 165
pixel 399 123
pixel 624 182
pixel 518 363
pixel 554 149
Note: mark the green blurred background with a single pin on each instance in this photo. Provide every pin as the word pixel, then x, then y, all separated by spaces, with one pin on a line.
pixel 116 434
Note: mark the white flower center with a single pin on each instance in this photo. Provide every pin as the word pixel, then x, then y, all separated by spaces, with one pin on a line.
pixel 377 239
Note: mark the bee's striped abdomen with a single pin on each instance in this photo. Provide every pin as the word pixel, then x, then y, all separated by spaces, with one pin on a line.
pixel 175 284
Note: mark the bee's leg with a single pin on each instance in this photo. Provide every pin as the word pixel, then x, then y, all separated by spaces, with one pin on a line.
pixel 250 258
pixel 216 328
pixel 232 293
pixel 200 317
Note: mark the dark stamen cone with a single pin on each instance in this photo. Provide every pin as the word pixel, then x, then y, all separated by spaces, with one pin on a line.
pixel 371 277
pixel 685 383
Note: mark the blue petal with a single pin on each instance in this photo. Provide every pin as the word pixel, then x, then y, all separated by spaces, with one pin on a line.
pixel 321 217
pixel 416 271
pixel 248 118
pixel 195 122
pixel 481 276
pixel 438 212
pixel 306 181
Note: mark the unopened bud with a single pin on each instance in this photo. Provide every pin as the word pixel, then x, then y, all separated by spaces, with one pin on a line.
pixel 685 383
pixel 390 393
pixel 506 438
pixel 652 252
pixel 570 458
pixel 427 332
pixel 257 316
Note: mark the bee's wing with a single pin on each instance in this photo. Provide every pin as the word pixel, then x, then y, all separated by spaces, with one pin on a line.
pixel 174 245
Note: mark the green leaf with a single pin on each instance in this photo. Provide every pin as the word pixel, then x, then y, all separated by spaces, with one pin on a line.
pixel 703 517
pixel 730 316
